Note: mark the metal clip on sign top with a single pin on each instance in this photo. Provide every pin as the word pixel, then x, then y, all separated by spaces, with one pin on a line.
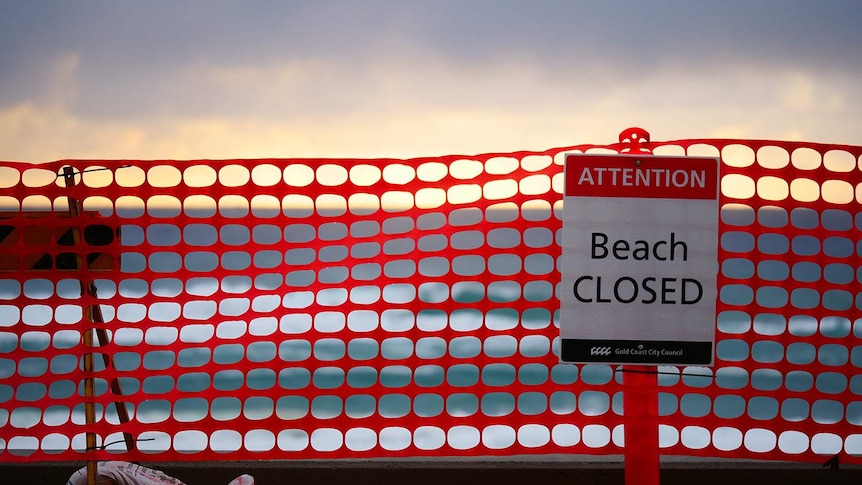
pixel 635 140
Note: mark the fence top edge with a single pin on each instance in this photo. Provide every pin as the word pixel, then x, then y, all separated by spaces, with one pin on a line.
pixel 685 142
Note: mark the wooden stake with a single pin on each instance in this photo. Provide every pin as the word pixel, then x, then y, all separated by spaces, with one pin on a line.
pixel 89 384
pixel 94 315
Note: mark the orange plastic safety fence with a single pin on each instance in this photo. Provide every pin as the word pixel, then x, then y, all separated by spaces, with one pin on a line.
pixel 338 308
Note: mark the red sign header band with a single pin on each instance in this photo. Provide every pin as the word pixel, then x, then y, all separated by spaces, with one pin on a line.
pixel 641 177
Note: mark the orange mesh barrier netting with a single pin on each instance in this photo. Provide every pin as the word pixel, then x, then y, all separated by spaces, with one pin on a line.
pixel 311 308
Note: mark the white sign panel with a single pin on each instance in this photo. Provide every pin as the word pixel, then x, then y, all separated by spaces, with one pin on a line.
pixel 639 260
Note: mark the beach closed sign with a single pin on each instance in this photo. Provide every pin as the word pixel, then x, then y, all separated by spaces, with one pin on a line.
pixel 639 260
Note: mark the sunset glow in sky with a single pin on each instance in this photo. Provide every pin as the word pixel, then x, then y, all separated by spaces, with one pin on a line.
pixel 230 79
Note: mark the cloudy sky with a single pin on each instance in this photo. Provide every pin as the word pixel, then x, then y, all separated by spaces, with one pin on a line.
pixel 403 78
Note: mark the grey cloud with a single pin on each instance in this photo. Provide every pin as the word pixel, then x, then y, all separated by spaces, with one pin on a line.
pixel 162 33
pixel 138 58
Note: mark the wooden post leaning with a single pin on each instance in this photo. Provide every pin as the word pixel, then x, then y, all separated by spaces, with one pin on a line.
pixel 94 314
